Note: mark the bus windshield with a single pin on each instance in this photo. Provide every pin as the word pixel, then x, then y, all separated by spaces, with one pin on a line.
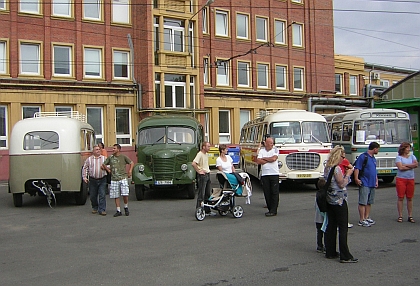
pixel 381 131
pixel 166 135
pixel 291 132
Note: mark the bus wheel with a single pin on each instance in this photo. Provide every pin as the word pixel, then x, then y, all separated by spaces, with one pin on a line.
pixel 139 192
pixel 18 200
pixel 387 180
pixel 81 196
pixel 191 191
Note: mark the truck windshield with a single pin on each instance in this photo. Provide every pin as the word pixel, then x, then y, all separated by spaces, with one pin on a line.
pixel 166 135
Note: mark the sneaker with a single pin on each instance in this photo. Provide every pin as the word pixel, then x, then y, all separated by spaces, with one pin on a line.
pixel 370 221
pixel 102 213
pixel 117 214
pixel 320 249
pixel 349 225
pixel 363 223
pixel 127 213
pixel 211 214
pixel 94 211
pixel 351 260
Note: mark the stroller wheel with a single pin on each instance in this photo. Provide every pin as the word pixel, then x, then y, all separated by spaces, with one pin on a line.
pixel 223 213
pixel 237 211
pixel 200 214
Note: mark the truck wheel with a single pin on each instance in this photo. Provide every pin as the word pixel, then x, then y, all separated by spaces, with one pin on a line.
pixel 18 200
pixel 139 192
pixel 387 180
pixel 191 191
pixel 81 196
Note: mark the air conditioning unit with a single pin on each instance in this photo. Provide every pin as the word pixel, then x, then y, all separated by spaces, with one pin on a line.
pixel 384 97
pixel 376 75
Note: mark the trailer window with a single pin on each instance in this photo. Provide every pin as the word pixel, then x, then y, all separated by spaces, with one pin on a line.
pixel 41 140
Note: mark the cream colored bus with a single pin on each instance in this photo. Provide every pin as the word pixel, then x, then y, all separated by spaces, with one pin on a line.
pixel 50 147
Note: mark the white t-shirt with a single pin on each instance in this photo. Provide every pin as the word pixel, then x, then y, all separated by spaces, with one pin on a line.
pixel 226 166
pixel 271 168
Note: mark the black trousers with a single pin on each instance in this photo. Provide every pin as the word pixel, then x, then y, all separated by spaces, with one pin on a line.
pixel 270 186
pixel 338 216
pixel 204 189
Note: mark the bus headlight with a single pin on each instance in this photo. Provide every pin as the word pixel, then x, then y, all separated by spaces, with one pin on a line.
pixel 325 163
pixel 184 167
pixel 141 168
pixel 280 164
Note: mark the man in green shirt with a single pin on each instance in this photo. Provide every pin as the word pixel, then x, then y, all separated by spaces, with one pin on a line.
pixel 119 177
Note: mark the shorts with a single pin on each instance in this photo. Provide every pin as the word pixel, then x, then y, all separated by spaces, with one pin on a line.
pixel 366 195
pixel 114 190
pixel 405 187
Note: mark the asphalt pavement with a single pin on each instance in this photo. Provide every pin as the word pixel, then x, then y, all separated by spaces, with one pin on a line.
pixel 161 243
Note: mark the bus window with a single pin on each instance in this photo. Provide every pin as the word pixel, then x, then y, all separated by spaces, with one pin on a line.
pixel 180 135
pixel 347 131
pixel 314 132
pixel 151 136
pixel 41 140
pixel 337 131
pixel 397 131
pixel 286 132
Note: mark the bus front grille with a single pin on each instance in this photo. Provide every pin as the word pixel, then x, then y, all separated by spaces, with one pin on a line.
pixel 303 161
pixel 385 163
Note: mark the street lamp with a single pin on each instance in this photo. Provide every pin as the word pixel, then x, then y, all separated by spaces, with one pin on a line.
pixel 208 3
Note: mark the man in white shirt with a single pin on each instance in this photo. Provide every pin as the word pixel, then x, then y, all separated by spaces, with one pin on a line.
pixel 267 158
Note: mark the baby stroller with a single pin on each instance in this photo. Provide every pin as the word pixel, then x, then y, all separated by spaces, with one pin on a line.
pixel 222 200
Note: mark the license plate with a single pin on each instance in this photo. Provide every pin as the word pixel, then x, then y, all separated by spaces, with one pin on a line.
pixel 304 176
pixel 384 171
pixel 169 182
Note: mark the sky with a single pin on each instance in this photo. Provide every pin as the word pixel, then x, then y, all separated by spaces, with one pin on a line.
pixel 385 32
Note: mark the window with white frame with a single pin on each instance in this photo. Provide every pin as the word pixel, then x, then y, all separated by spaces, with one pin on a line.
pixel 123 125
pixel 280 77
pixel 261 29
pixel 175 92
pixel 205 20
pixel 94 117
pixel 222 24
pixel 62 60
pixel 298 79
pixel 92 62
pixel 192 93
pixel 3 57
pixel 242 26
pixel 92 10
pixel 2 4
pixel 338 83
pixel 224 127
pixel 262 74
pixel 280 32
pixel 30 6
pixel 297 1
pixel 29 111
pixel 121 11
pixel 384 82
pixel 297 35
pixel 30 63
pixel 206 70
pixel 61 8
pixel 353 85
pixel 121 65
pixel 63 109
pixel 244 117
pixel 243 74
pixel 173 34
pixel 3 126
pixel 222 73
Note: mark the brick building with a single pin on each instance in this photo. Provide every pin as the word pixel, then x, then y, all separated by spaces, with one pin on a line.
pixel 120 61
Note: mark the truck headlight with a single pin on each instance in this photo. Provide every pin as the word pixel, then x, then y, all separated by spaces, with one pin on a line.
pixel 280 164
pixel 141 168
pixel 184 167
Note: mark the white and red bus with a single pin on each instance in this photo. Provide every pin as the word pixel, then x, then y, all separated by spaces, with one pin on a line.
pixel 302 139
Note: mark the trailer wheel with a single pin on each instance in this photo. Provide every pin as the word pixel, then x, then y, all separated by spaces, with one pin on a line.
pixel 81 196
pixel 18 200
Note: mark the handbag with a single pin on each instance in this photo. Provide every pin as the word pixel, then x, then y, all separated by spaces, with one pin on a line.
pixel 321 194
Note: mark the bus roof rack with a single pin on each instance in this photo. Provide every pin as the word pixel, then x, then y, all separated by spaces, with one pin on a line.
pixel 67 114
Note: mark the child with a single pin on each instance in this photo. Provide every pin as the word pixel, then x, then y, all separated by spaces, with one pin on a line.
pixel 319 221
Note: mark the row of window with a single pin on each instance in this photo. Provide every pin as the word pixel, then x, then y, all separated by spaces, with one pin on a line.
pixel 261 28
pixel 263 74
pixel 63 62
pixel 353 84
pixel 94 115
pixel 93 10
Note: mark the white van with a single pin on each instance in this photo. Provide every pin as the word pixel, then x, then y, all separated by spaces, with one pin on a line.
pixel 50 147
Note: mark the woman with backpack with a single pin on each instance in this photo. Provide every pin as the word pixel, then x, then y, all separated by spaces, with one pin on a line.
pixel 337 209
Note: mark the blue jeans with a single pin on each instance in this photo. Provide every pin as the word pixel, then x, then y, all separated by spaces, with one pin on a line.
pixel 97 188
pixel 203 182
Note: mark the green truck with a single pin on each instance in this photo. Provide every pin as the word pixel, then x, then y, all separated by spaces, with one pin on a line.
pixel 166 146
